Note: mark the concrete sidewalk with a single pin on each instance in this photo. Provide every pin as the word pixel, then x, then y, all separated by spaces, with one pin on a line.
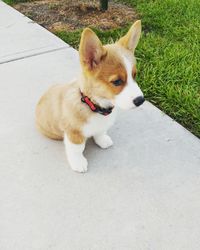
pixel 20 37
pixel 141 194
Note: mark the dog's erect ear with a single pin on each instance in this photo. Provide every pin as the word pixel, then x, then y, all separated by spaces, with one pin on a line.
pixel 91 50
pixel 131 39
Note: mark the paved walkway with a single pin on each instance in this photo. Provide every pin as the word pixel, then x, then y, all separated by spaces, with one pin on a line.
pixel 141 194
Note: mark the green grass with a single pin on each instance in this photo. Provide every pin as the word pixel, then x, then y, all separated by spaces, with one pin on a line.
pixel 168 56
pixel 11 2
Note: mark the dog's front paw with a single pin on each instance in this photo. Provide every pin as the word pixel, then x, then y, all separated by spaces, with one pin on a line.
pixel 103 141
pixel 78 163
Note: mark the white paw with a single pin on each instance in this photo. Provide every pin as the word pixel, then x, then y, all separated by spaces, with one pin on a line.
pixel 78 163
pixel 103 141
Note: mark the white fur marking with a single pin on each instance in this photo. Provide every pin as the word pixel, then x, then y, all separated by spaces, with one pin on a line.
pixel 75 156
pixel 103 140
pixel 98 124
pixel 125 99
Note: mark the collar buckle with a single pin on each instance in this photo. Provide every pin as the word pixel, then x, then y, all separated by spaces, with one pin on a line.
pixel 94 107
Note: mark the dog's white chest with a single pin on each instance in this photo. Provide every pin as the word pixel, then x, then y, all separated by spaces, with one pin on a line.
pixel 98 124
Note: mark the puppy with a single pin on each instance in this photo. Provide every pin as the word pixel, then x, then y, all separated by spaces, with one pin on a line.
pixel 86 107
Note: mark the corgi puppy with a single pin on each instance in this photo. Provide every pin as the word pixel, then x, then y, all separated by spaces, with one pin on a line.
pixel 86 107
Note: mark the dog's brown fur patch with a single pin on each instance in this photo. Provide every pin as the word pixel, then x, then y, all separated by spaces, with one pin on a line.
pixel 55 113
pixel 134 72
pixel 112 68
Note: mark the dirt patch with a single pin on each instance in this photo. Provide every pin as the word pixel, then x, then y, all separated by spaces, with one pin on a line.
pixel 69 15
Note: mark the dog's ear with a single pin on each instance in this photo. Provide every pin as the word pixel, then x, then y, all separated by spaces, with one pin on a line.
pixel 131 39
pixel 91 50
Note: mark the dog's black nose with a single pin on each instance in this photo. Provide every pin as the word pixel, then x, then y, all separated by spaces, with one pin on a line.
pixel 138 100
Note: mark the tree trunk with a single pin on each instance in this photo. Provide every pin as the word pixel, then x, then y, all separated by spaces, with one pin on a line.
pixel 104 4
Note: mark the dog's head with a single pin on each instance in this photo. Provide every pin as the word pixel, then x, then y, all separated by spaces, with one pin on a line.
pixel 110 70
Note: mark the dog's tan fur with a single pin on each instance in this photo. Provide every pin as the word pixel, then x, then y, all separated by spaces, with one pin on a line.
pixel 60 109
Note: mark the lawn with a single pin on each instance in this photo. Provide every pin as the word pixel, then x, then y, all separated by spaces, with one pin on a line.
pixel 168 56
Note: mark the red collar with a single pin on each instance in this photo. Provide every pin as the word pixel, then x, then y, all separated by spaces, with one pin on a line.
pixel 94 107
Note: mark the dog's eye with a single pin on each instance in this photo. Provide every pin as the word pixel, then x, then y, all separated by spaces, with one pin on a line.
pixel 118 82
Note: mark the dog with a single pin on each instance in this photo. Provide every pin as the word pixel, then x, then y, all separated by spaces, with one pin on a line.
pixel 87 107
